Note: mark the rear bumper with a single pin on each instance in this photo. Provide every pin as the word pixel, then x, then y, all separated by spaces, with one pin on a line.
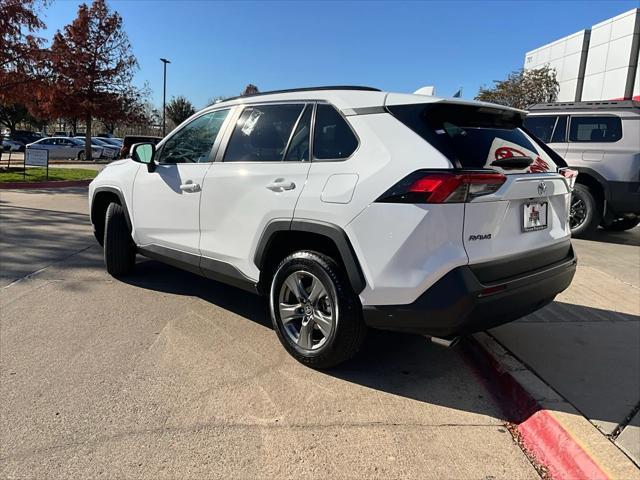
pixel 624 197
pixel 456 305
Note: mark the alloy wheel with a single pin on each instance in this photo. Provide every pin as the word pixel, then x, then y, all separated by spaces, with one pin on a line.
pixel 307 312
pixel 577 212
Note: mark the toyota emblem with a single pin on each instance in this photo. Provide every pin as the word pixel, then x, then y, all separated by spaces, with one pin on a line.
pixel 542 188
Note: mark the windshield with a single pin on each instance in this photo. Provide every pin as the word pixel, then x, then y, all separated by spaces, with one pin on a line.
pixel 475 137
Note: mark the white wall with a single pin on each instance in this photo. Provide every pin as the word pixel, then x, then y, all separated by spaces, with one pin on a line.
pixel 636 84
pixel 565 56
pixel 606 52
pixel 609 56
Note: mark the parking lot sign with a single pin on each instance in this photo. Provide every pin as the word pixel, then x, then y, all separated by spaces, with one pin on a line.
pixel 36 157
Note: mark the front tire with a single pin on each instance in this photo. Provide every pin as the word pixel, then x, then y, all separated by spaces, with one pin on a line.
pixel 585 213
pixel 119 249
pixel 81 156
pixel 315 313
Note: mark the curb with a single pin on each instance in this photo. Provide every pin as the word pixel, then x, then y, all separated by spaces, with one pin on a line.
pixel 47 184
pixel 550 429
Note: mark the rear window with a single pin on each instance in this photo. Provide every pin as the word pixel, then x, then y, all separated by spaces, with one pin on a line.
pixel 474 137
pixel 333 139
pixel 595 129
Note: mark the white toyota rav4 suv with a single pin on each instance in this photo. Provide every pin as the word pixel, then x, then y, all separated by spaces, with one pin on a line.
pixel 350 208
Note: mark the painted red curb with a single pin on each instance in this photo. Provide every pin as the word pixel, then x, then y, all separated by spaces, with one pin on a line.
pixel 541 434
pixel 48 184
pixel 554 447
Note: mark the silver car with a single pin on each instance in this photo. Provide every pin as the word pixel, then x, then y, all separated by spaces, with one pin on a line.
pixel 602 141
pixel 108 151
pixel 65 148
pixel 116 142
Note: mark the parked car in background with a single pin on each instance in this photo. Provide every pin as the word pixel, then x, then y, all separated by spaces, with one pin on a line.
pixel 116 142
pixel 602 141
pixel 63 148
pixel 108 151
pixel 24 137
pixel 350 208
pixel 9 145
pixel 131 139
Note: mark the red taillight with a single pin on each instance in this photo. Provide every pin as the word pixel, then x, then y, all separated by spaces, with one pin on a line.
pixel 443 187
pixel 436 187
pixel 570 174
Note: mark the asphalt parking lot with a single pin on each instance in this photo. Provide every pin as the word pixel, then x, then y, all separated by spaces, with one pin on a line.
pixel 170 375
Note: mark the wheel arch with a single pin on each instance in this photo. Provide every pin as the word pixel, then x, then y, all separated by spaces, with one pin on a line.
pixel 596 182
pixel 102 197
pixel 282 237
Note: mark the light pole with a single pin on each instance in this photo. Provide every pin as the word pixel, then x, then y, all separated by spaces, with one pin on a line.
pixel 164 95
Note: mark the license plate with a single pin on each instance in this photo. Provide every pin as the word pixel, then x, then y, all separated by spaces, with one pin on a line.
pixel 535 216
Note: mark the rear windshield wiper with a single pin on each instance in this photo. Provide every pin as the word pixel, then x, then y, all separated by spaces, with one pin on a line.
pixel 516 163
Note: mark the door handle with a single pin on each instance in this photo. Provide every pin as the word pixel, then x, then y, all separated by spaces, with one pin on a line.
pixel 190 187
pixel 280 185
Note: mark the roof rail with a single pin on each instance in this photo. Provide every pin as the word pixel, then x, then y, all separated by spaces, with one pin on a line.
pixel 307 89
pixel 591 105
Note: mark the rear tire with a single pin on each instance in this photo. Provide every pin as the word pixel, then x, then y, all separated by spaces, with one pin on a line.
pixel 119 249
pixel 627 222
pixel 585 213
pixel 81 156
pixel 327 304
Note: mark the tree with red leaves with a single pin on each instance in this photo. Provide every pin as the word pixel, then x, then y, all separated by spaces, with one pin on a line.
pixel 92 66
pixel 21 59
pixel 20 48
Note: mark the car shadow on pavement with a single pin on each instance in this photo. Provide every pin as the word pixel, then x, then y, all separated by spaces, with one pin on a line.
pixel 404 365
pixel 631 237
pixel 154 275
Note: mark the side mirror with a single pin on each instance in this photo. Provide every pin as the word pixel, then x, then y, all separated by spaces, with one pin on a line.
pixel 144 153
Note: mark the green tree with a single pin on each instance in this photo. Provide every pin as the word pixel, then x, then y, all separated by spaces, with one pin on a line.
pixel 523 88
pixel 13 114
pixel 179 109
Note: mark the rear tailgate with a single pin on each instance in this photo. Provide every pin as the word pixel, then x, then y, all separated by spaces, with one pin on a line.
pixel 529 212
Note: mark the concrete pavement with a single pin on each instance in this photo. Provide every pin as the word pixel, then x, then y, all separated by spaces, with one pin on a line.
pixel 585 344
pixel 38 228
pixel 170 375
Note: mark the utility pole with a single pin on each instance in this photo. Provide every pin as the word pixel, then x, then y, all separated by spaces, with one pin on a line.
pixel 164 95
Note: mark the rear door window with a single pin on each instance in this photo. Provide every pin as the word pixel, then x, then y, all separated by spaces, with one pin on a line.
pixel 595 129
pixel 262 133
pixel 541 127
pixel 474 137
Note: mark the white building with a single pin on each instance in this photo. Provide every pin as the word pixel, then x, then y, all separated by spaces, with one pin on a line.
pixel 599 63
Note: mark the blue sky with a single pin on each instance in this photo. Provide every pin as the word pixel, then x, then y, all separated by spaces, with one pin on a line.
pixel 216 48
